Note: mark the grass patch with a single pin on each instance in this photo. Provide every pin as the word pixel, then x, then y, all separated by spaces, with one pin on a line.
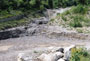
pixel 79 30
pixel 64 18
pixel 79 21
pixel 6 14
pixel 52 20
pixel 10 24
pixel 80 54
pixel 14 23
pixel 83 30
pixel 77 16
pixel 76 22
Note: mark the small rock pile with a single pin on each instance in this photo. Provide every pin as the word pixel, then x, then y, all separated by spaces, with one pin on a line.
pixel 60 54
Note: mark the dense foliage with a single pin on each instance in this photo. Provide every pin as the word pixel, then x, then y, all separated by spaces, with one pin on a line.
pixel 38 4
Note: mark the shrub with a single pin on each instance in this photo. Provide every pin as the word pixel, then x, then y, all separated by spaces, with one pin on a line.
pixel 79 21
pixel 3 12
pixel 64 18
pixel 76 22
pixel 80 54
pixel 80 9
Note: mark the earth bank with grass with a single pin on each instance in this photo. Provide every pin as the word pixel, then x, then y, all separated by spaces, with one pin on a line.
pixel 77 18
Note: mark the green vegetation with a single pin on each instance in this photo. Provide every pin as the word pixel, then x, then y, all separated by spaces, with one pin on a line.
pixel 6 14
pixel 52 20
pixel 18 6
pixel 9 8
pixel 83 30
pixel 14 23
pixel 38 4
pixel 80 30
pixel 77 21
pixel 80 54
pixel 80 9
pixel 10 24
pixel 77 16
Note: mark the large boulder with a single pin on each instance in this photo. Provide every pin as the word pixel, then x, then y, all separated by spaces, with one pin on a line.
pixel 60 54
pixel 61 59
pixel 51 56
pixel 67 52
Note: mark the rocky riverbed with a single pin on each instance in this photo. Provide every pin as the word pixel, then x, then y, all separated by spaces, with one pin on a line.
pixel 36 37
pixel 10 48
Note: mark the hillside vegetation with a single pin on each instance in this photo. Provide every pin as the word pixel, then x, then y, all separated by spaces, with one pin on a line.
pixel 10 8
pixel 19 6
pixel 77 17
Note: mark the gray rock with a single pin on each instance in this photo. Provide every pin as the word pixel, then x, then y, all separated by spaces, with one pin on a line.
pixel 60 50
pixel 23 57
pixel 31 31
pixel 67 52
pixel 61 59
pixel 40 21
pixel 57 55
pixel 11 33
pixel 61 54
pixel 51 56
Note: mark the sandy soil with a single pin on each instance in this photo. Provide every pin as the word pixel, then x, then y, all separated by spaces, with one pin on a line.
pixel 10 48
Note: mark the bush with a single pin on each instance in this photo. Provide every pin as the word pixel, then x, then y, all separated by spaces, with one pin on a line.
pixel 76 17
pixel 76 22
pixel 3 12
pixel 80 54
pixel 83 2
pixel 30 4
pixel 80 9
pixel 64 18
pixel 79 21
